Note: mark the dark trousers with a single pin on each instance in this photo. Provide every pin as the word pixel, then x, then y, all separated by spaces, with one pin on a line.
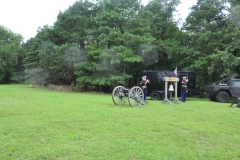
pixel 144 96
pixel 184 94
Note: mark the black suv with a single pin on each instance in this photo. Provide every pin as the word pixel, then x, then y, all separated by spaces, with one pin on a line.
pixel 221 91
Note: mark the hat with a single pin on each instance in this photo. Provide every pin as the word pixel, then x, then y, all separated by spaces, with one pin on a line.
pixel 144 77
pixel 184 77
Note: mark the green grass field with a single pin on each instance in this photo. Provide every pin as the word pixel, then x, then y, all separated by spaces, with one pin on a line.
pixel 36 123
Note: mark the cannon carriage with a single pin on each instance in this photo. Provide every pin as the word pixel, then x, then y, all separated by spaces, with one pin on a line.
pixel 134 96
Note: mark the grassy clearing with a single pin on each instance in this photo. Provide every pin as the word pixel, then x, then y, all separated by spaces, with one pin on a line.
pixel 36 123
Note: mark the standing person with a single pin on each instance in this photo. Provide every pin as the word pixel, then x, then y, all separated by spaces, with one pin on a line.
pixel 184 89
pixel 144 82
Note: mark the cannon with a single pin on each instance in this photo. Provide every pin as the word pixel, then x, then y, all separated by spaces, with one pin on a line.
pixel 134 96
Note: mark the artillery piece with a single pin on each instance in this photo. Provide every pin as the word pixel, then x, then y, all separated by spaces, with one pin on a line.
pixel 134 95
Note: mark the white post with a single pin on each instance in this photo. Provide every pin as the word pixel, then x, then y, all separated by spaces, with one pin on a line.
pixel 175 100
pixel 166 100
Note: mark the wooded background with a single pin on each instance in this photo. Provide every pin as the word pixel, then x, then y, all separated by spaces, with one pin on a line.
pixel 110 42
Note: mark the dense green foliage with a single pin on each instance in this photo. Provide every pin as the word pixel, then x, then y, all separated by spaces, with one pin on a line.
pixel 213 42
pixel 36 123
pixel 110 42
pixel 10 53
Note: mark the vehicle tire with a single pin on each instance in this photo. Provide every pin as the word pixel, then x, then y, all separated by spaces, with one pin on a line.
pixel 222 97
pixel 212 98
pixel 155 96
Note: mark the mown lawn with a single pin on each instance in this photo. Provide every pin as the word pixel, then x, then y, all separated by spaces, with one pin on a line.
pixel 36 123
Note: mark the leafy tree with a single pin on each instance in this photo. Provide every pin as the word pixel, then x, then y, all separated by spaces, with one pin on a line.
pixel 47 59
pixel 110 42
pixel 32 60
pixel 205 26
pixel 72 24
pixel 224 62
pixel 69 33
pixel 234 16
pixel 9 50
pixel 113 44
pixel 33 46
pixel 164 29
pixel 229 57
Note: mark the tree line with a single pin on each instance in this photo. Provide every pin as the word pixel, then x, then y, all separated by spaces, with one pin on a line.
pixel 110 42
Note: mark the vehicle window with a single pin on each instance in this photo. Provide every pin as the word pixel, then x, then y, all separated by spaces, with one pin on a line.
pixel 236 84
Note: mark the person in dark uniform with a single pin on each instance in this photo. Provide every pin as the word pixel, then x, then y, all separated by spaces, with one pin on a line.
pixel 184 89
pixel 143 84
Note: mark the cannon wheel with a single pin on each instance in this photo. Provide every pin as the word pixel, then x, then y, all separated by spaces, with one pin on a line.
pixel 135 97
pixel 118 96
